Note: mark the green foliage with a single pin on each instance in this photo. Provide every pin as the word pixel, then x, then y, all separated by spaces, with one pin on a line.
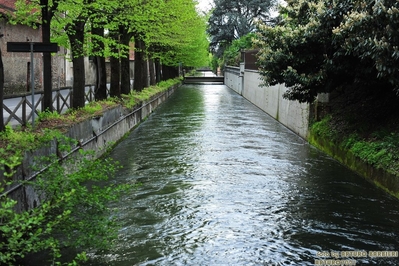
pixel 232 55
pixel 91 109
pixel 381 150
pixel 135 97
pixel 46 115
pixel 73 211
pixel 294 52
pixel 215 63
pixel 381 153
pixel 370 31
pixel 322 128
pixel 350 141
pixel 27 232
pixel 22 140
pixel 24 14
pixel 179 34
pixel 319 43
pixel 231 20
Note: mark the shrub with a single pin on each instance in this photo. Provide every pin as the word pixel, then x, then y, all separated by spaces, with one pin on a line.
pixel 72 213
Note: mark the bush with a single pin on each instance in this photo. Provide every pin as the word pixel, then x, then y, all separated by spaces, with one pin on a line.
pixel 72 213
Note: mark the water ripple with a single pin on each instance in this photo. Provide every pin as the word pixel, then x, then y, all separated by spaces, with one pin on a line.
pixel 224 184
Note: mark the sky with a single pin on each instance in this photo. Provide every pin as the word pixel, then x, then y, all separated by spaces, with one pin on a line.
pixel 205 5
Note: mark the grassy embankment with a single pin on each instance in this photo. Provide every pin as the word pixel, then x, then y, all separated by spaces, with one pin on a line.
pixel 362 132
pixel 14 141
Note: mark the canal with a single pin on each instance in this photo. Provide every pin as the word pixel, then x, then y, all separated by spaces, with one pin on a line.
pixel 225 184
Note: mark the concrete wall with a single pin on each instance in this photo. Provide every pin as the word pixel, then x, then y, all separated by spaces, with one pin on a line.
pixel 232 79
pixel 292 114
pixel 95 134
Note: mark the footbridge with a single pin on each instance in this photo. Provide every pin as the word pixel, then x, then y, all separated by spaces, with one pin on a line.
pixel 204 77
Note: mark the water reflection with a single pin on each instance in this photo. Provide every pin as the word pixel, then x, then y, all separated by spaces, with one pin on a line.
pixel 224 184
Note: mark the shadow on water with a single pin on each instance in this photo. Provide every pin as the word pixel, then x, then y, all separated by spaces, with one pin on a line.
pixel 225 184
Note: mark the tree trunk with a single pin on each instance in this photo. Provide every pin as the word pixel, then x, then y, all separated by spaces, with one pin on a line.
pixel 115 69
pixel 152 72
pixel 125 75
pixel 158 70
pixel 125 61
pixel 2 126
pixel 77 39
pixel 170 72
pixel 101 79
pixel 99 61
pixel 47 103
pixel 140 66
pixel 146 74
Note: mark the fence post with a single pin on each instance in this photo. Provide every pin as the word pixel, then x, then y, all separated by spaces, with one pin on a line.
pixel 24 110
pixel 58 95
pixel 91 93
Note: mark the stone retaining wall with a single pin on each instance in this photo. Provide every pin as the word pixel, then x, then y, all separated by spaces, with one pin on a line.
pixel 97 134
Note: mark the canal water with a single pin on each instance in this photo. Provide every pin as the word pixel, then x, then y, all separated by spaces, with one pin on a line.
pixel 225 184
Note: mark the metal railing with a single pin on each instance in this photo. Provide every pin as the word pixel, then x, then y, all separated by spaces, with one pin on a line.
pixel 17 109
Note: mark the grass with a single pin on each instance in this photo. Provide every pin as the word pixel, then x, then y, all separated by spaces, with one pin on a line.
pixel 379 149
pixel 135 97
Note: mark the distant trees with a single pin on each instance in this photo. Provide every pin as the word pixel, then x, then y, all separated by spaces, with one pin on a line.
pixel 231 20
pixel 232 55
pixel 323 46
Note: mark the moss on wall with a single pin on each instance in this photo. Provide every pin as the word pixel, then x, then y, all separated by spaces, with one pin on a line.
pixel 379 177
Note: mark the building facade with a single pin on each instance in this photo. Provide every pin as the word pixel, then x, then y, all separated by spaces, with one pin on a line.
pixel 17 65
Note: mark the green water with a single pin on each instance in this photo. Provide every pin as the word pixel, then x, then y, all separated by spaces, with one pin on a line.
pixel 225 184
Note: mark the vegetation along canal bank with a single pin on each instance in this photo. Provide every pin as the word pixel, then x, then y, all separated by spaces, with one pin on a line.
pixel 41 198
pixel 362 132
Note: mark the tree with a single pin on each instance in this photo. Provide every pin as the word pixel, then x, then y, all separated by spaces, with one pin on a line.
pixel 232 20
pixel 173 25
pixel 129 18
pixel 125 38
pixel 99 61
pixel 28 14
pixel 70 19
pixel 98 50
pixel 370 31
pixel 179 40
pixel 47 12
pixel 61 19
pixel 140 64
pixel 75 30
pixel 115 90
pixel 232 55
pixel 317 47
pixel 2 126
